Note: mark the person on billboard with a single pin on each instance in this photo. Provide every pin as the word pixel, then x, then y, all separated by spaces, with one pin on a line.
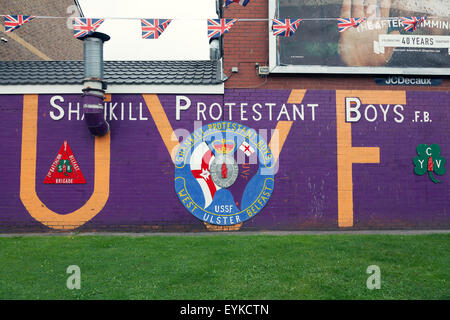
pixel 356 47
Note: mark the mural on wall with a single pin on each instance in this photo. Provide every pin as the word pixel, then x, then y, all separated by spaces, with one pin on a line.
pixel 64 169
pixel 219 176
pixel 429 160
pixel 334 159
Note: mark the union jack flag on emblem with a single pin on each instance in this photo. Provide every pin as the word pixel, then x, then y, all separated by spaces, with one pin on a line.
pixel 201 160
pixel 218 27
pixel 152 28
pixel 14 22
pixel 347 23
pixel 85 26
pixel 285 28
pixel 411 23
pixel 241 2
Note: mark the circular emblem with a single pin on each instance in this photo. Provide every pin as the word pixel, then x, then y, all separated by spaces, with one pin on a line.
pixel 224 170
pixel 224 173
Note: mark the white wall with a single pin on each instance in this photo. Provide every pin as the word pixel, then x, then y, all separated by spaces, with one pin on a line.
pixel 183 39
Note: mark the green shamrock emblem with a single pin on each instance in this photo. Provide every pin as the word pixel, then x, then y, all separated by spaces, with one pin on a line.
pixel 64 166
pixel 429 160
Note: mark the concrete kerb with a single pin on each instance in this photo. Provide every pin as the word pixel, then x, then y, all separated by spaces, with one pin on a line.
pixel 238 233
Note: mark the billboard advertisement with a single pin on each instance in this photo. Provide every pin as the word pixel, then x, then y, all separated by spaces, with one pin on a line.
pixel 379 45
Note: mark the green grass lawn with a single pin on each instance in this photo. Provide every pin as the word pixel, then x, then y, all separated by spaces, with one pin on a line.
pixel 226 267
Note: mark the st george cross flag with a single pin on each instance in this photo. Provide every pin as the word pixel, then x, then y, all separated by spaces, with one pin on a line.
pixel 246 148
pixel 347 23
pixel 85 26
pixel 241 2
pixel 152 28
pixel 411 23
pixel 14 22
pixel 285 28
pixel 218 27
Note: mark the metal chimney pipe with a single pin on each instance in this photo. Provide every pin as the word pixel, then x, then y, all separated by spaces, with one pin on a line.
pixel 94 85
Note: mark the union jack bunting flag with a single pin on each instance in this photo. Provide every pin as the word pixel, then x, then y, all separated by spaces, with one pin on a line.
pixel 85 26
pixel 285 28
pixel 411 23
pixel 14 22
pixel 152 28
pixel 218 27
pixel 347 23
pixel 241 2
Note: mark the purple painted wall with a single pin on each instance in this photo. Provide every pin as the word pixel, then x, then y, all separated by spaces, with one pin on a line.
pixel 142 195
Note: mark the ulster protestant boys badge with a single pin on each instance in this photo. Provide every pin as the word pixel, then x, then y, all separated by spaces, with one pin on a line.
pixel 224 173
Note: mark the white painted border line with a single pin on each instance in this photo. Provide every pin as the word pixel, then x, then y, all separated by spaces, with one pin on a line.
pixel 114 89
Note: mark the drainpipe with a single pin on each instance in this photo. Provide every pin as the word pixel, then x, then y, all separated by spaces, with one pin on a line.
pixel 94 85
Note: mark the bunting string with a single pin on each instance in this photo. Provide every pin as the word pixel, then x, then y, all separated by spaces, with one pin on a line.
pixel 238 19
pixel 153 28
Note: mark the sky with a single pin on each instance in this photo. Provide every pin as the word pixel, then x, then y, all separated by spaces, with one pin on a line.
pixel 184 39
